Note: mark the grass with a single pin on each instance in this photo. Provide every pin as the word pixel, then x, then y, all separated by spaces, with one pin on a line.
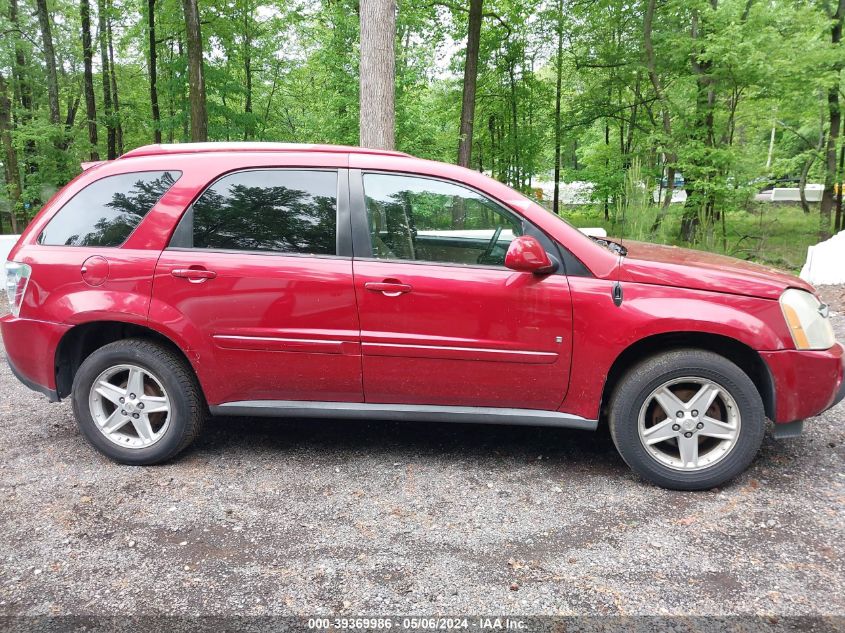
pixel 772 234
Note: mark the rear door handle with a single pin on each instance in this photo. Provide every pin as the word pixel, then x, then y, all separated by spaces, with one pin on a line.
pixel 193 274
pixel 388 288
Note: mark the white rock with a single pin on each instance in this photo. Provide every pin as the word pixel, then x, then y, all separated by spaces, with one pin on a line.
pixel 826 262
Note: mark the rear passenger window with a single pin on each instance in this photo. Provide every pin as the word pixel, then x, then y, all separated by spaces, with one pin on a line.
pixel 286 211
pixel 108 210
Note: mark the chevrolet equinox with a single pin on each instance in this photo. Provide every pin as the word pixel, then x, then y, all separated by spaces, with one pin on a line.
pixel 322 281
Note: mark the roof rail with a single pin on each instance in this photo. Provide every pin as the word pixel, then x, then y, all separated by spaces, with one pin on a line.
pixel 86 165
pixel 202 148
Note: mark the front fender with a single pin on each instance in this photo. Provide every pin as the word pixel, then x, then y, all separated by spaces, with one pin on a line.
pixel 603 331
pixel 745 319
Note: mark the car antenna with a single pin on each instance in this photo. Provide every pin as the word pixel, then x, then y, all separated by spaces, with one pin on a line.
pixel 622 250
pixel 616 291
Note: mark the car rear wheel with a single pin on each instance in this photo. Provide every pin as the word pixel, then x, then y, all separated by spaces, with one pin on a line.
pixel 137 402
pixel 687 419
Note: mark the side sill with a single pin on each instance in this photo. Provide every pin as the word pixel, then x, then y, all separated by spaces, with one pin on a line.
pixel 403 412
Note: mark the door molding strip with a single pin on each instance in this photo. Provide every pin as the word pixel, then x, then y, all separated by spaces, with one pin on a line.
pixel 405 350
pixel 402 412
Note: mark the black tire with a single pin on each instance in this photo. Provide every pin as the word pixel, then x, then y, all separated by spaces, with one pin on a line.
pixel 638 384
pixel 187 405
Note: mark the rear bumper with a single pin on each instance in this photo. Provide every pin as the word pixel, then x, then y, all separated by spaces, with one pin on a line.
pixel 52 394
pixel 806 382
pixel 31 352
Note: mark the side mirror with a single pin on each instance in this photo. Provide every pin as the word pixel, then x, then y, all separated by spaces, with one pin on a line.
pixel 525 254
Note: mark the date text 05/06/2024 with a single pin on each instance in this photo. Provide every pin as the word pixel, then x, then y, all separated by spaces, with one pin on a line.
pixel 419 623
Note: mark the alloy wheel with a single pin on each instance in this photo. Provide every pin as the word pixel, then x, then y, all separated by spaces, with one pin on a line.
pixel 130 406
pixel 689 423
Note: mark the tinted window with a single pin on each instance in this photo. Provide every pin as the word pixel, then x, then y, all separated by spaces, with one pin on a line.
pixel 108 210
pixel 421 219
pixel 287 211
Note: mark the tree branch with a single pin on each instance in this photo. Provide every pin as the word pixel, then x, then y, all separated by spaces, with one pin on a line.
pixel 486 14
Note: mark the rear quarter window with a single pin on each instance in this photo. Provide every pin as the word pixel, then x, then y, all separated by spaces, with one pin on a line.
pixel 107 211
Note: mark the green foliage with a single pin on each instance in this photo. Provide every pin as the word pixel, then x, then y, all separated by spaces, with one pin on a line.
pixel 730 71
pixel 775 235
pixel 635 214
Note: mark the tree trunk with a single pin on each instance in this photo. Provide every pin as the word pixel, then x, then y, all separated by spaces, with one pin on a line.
pixel 671 157
pixel 834 127
pixel 248 131
pixel 700 203
pixel 249 122
pixel 839 222
pixel 771 148
pixel 516 161
pixel 470 82
pixel 73 100
pixel 152 63
pixel 266 118
pixel 632 124
pixel 105 75
pixel 118 126
pixel 377 74
pixel 196 80
pixel 88 78
pixel 805 170
pixel 606 164
pixel 10 159
pixel 558 90
pixel 183 95
pixel 49 60
pixel 171 100
pixel 21 87
pixel 491 129
pixel 802 184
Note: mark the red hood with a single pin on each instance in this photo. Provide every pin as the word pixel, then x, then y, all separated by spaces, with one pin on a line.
pixel 687 268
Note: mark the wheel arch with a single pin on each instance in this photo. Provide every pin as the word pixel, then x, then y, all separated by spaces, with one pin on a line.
pixel 745 357
pixel 84 339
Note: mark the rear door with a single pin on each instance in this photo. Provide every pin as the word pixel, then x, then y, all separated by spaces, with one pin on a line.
pixel 259 274
pixel 443 322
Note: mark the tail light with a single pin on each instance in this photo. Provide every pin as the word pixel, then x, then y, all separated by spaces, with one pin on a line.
pixel 17 279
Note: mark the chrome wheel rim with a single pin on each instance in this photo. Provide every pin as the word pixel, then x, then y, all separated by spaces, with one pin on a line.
pixel 130 406
pixel 689 423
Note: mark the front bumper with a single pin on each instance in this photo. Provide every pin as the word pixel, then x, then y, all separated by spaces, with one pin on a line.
pixel 806 383
pixel 839 397
pixel 31 352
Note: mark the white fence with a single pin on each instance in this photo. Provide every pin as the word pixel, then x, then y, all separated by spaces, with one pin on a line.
pixel 6 244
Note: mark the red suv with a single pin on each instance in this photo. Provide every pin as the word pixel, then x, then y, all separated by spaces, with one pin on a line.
pixel 323 281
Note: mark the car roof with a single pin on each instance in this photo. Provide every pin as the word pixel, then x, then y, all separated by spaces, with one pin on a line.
pixel 162 149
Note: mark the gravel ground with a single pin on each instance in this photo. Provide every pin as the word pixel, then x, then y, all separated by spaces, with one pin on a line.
pixel 274 517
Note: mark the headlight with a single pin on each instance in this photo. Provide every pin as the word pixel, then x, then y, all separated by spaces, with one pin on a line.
pixel 17 278
pixel 807 319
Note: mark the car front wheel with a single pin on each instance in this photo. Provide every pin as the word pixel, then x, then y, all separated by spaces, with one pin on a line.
pixel 687 419
pixel 137 402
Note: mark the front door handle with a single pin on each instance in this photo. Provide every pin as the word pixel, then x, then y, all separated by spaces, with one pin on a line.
pixel 388 288
pixel 193 274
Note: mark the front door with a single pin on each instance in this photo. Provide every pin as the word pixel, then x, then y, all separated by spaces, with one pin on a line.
pixel 443 322
pixel 254 282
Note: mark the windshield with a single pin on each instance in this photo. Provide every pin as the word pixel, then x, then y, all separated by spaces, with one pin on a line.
pixel 524 202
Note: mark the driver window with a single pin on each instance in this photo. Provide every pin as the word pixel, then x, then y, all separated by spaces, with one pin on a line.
pixel 422 219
